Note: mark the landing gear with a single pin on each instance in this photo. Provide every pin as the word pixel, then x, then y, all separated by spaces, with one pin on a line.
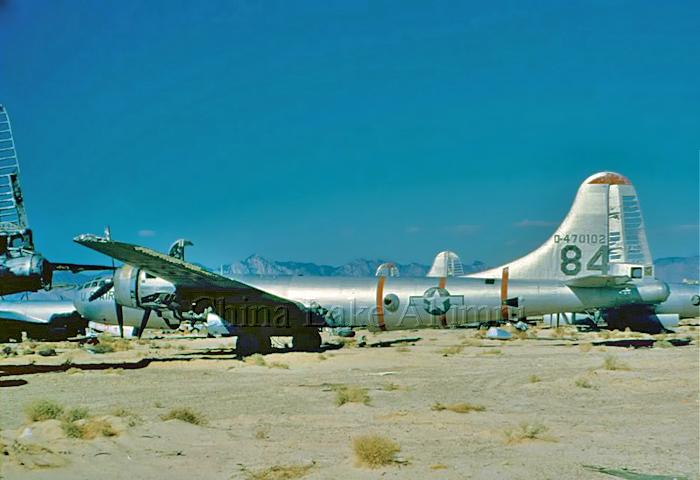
pixel 8 334
pixel 306 340
pixel 257 340
pixel 252 340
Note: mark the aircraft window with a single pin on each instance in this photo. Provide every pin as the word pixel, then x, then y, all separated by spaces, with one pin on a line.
pixel 695 300
pixel 636 272
pixel 490 281
pixel 101 284
pixel 148 275
pixel 93 284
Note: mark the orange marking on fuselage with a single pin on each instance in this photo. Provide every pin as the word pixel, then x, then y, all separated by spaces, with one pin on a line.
pixel 443 317
pixel 504 294
pixel 380 303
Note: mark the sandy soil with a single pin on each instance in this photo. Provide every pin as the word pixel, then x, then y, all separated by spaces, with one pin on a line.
pixel 645 418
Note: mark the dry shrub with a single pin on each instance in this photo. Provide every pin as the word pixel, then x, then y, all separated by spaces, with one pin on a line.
pixel 525 431
pixel 348 342
pixel 102 348
pixel 256 359
pixel 461 407
pixel 72 430
pixel 390 387
pixel 564 332
pixel 75 414
pixel 98 427
pixel 374 450
pixel 663 344
pixel 585 347
pixel 491 351
pixel 184 414
pixel 118 344
pixel 472 342
pixel 438 466
pixel 43 410
pixel 280 472
pixel 534 379
pixel 351 394
pixel 403 349
pixel 132 418
pixel 88 429
pixel 451 350
pixel 520 335
pixel 611 362
pixel 259 361
pixel 583 383
pixel 281 365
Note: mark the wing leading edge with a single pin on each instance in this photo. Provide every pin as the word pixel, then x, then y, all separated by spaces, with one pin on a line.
pixel 182 274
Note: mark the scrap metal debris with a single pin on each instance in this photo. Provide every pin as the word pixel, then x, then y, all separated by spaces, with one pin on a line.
pixel 387 343
pixel 496 333
pixel 631 475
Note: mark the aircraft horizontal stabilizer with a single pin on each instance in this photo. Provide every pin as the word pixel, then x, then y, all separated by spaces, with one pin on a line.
pixel 596 281
pixel 76 267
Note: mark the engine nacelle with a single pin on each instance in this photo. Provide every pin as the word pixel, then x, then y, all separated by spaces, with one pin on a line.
pixel 136 288
pixel 26 272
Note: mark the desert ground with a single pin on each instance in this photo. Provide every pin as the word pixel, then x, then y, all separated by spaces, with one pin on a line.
pixel 450 405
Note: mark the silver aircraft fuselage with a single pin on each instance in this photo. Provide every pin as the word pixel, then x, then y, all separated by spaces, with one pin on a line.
pixel 395 303
pixel 406 303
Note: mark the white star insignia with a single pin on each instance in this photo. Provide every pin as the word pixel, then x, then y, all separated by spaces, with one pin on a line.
pixel 437 302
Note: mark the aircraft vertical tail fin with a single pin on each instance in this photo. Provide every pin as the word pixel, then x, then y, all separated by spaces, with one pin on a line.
pixel 602 236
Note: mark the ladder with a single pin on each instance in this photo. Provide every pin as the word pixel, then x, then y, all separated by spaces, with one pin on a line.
pixel 13 217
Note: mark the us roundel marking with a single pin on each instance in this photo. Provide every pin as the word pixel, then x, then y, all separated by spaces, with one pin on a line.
pixel 436 301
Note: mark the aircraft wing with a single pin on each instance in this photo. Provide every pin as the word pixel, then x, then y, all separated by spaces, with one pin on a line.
pixel 34 311
pixel 77 268
pixel 179 272
pixel 593 281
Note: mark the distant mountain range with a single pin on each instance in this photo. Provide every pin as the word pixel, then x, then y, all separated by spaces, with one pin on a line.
pixel 361 267
pixel 677 269
pixel 670 269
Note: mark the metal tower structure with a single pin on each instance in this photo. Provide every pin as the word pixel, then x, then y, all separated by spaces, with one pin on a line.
pixel 13 217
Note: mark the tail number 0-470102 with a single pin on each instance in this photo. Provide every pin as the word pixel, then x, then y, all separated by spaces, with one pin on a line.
pixel 571 260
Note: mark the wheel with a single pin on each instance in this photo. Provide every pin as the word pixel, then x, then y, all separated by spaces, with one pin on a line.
pixel 264 342
pixel 9 334
pixel 250 342
pixel 246 344
pixel 308 340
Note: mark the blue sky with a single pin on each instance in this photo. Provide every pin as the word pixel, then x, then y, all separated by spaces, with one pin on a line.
pixel 325 131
